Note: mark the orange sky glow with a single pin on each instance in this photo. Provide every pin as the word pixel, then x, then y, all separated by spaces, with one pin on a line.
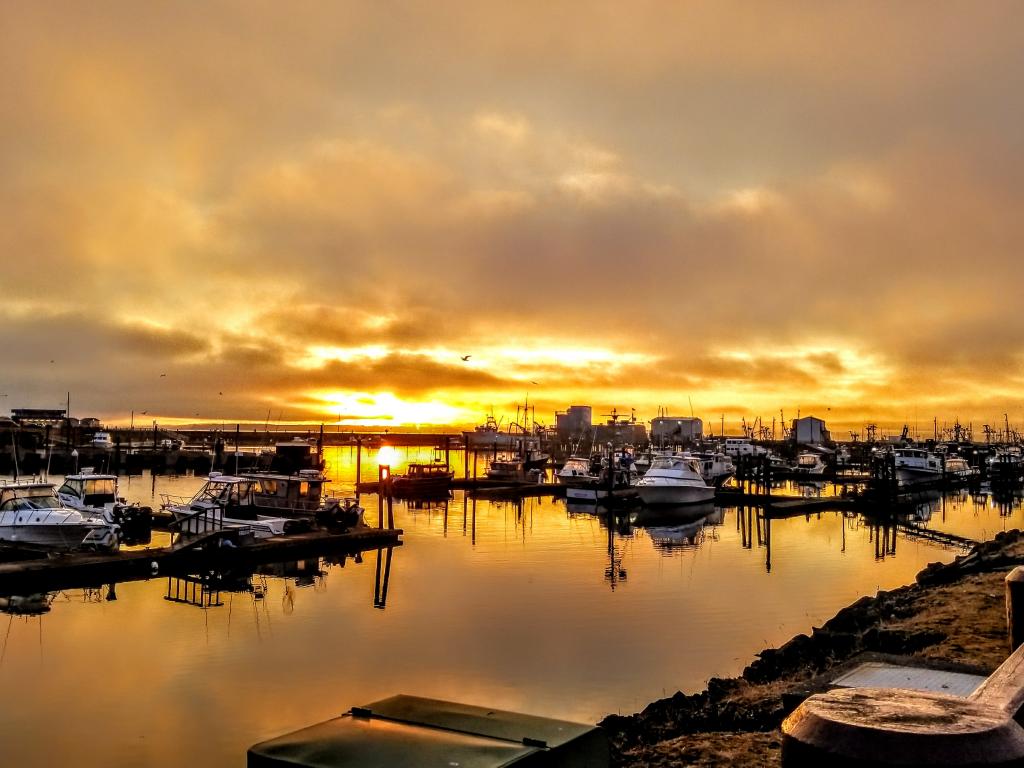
pixel 246 211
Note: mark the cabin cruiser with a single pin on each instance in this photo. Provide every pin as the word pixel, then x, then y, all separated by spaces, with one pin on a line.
pixel 513 469
pixel 957 466
pixel 715 467
pixel 226 501
pixel 32 513
pixel 914 465
pixel 423 478
pixel 601 485
pixel 101 440
pixel 674 479
pixel 96 496
pixel 576 472
pixel 809 463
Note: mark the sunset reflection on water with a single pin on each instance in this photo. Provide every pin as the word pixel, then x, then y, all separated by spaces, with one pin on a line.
pixel 520 605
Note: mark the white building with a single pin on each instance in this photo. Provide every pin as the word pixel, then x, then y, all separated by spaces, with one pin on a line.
pixel 673 429
pixel 810 431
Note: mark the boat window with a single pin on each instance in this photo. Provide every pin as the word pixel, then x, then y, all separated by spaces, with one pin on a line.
pixel 68 489
pixel 269 487
pixel 105 486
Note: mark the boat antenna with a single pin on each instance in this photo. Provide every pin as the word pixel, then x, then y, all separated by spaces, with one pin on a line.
pixel 14 447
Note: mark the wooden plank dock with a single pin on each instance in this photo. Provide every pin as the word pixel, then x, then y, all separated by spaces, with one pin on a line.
pixel 205 551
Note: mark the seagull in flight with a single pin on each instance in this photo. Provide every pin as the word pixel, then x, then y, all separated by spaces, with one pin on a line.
pixel 163 375
pixel 144 413
pixel 465 358
pixel 535 382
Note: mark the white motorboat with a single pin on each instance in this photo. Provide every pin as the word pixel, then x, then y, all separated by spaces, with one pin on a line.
pixel 957 466
pixel 715 467
pixel 101 440
pixel 810 463
pixel 674 479
pixel 915 465
pixel 226 501
pixel 32 513
pixel 96 496
pixel 576 472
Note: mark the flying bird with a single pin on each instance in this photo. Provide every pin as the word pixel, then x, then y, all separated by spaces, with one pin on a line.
pixel 51 361
pixel 220 393
pixel 535 382
pixel 144 413
pixel 162 375
pixel 465 358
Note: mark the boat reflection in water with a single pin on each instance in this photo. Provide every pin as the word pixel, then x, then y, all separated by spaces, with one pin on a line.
pixel 676 528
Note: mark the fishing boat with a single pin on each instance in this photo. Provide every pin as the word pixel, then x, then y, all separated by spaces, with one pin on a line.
pixel 101 440
pixel 226 501
pixel 32 513
pixel 674 479
pixel 490 436
pixel 513 469
pixel 1007 462
pixel 915 465
pixel 423 479
pixel 95 495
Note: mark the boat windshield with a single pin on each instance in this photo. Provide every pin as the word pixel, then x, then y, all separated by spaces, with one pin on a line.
pixel 580 465
pixel 30 499
pixel 231 492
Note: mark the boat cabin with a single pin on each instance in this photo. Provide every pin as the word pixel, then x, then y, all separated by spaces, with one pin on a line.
pixel 808 461
pixel 427 472
pixel 223 491
pixel 302 492
pixel 675 464
pixel 89 489
pixel 576 466
pixel 21 496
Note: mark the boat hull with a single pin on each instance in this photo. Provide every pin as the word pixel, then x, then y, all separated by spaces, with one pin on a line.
pixel 657 495
pixel 911 475
pixel 66 537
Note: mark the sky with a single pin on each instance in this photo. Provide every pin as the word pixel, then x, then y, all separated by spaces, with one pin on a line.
pixel 314 211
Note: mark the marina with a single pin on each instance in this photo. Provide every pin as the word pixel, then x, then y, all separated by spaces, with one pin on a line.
pixel 539 553
pixel 511 384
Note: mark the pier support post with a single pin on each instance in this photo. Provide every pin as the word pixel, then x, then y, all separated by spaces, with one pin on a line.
pixel 1015 607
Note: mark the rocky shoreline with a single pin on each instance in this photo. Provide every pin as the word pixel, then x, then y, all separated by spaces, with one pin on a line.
pixel 953 616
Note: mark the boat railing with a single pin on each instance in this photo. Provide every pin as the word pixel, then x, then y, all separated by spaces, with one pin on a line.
pixel 170 500
pixel 203 520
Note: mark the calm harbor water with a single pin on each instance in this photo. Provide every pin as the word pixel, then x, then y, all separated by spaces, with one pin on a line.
pixel 528 606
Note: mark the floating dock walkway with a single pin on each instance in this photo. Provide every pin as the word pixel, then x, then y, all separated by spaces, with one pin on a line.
pixel 209 550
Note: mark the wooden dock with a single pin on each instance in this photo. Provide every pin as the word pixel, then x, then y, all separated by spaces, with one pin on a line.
pixel 211 550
